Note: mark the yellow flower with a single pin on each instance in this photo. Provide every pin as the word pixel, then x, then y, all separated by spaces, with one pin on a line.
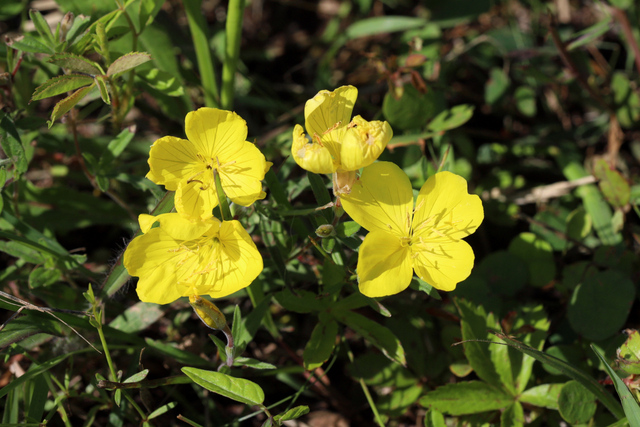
pixel 337 143
pixel 183 258
pixel 216 144
pixel 402 239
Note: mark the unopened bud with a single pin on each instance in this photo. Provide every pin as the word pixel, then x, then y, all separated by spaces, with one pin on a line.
pixel 208 312
pixel 65 25
pixel 325 230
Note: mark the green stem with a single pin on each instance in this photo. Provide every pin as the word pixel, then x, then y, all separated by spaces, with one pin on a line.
pixel 198 28
pixel 232 51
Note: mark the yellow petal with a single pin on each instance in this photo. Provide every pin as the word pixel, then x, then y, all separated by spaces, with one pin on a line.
pixel 194 201
pixel 363 143
pixel 327 115
pixel 242 172
pixel 171 160
pixel 213 132
pixel 384 265
pixel 444 211
pixel 153 257
pixel 381 199
pixel 309 154
pixel 238 263
pixel 176 225
pixel 443 265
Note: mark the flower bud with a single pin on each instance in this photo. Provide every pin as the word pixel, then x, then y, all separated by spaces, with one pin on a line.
pixel 325 230
pixel 208 312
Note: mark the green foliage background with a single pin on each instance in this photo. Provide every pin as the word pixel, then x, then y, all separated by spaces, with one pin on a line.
pixel 536 104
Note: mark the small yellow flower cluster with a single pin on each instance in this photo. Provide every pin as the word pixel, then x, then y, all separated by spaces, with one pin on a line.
pixel 191 252
pixel 425 237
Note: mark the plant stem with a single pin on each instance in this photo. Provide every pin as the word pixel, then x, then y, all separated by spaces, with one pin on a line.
pixel 232 51
pixel 198 28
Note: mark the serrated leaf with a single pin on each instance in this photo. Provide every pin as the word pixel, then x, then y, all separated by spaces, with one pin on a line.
pixel 60 84
pixel 238 389
pixel 378 335
pixel 11 144
pixel 466 398
pixel 104 91
pixel 128 62
pixel 68 103
pixel 321 344
pixel 101 38
pixel 76 63
pixel 29 44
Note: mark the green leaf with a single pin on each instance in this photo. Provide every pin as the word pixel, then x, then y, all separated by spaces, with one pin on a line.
pixel 525 98
pixel 537 253
pixel 613 185
pixel 251 363
pixel 496 86
pixel 504 272
pixel 303 302
pixel 575 403
pixel 346 229
pixel 629 353
pixel 434 418
pixel 569 370
pixel 629 403
pixel 162 410
pixel 37 369
pixel 474 323
pixel 238 389
pixel 407 108
pixel 173 352
pixel 42 27
pixel 292 414
pixel 44 276
pixel 137 377
pixel 512 416
pixel 321 343
pixel 163 82
pixel 383 24
pixel 466 398
pixel 600 305
pixel 68 103
pixel 104 91
pixel 76 63
pixel 11 145
pixel 595 205
pixel 543 396
pixel 452 118
pixel 60 84
pixel 29 44
pixel 591 33
pixel 127 62
pixel 375 333
pixel 137 317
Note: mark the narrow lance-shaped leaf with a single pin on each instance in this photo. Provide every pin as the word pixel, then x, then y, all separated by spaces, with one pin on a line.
pixel 321 343
pixel 29 44
pixel 375 333
pixel 42 27
pixel 68 103
pixel 11 144
pixel 592 385
pixel 60 84
pixel 238 389
pixel 629 404
pixel 76 63
pixel 466 398
pixel 128 62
